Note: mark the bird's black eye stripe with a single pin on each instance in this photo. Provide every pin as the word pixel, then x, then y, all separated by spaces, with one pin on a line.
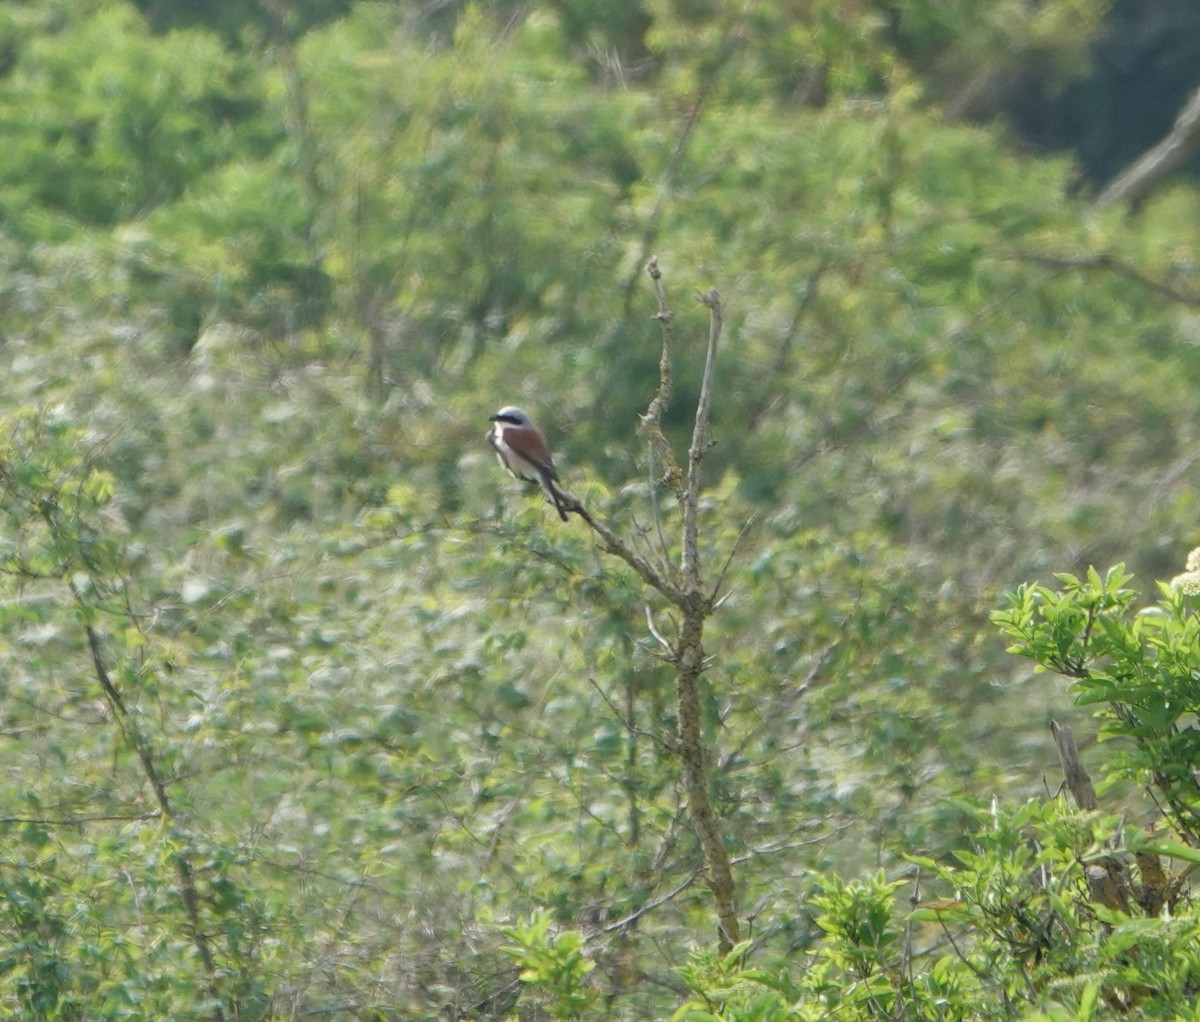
pixel 512 419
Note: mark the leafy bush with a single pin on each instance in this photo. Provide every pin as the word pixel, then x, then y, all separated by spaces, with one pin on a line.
pixel 1048 912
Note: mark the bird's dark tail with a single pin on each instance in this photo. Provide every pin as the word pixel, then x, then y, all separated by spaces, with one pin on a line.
pixel 557 497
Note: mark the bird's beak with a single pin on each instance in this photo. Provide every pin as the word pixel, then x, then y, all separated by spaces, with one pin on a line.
pixel 493 418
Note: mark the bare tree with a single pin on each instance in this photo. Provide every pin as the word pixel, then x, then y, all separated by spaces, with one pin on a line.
pixel 684 586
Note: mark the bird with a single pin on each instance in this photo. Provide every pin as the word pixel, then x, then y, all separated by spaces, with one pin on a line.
pixel 521 448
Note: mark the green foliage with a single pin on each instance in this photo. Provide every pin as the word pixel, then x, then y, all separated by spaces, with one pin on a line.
pixel 1137 666
pixel 555 965
pixel 726 989
pixel 240 22
pixel 859 918
pixel 95 893
pixel 1047 912
pixel 1019 892
pixel 261 280
pixel 109 122
pixel 1018 935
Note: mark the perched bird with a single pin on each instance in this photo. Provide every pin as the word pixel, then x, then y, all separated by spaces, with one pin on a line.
pixel 521 449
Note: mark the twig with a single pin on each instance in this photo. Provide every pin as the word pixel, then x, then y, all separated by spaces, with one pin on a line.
pixel 614 545
pixel 1106 262
pixel 712 596
pixel 637 913
pixel 634 732
pixel 75 821
pixel 690 565
pixel 668 649
pixel 652 420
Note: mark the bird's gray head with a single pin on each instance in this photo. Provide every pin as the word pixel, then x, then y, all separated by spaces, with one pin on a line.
pixel 512 415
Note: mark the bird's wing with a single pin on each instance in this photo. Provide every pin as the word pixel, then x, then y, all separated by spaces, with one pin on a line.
pixel 528 443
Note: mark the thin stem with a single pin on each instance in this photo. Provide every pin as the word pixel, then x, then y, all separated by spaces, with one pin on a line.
pixel 690 566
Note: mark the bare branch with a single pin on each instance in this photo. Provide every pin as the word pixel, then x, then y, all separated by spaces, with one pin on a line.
pixel 662 899
pixel 669 650
pixel 1078 781
pixel 630 729
pixel 713 597
pixel 663 547
pixel 184 868
pixel 1146 173
pixel 653 417
pixel 1109 263
pixel 686 590
pixel 77 821
pixel 614 545
pixel 690 566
